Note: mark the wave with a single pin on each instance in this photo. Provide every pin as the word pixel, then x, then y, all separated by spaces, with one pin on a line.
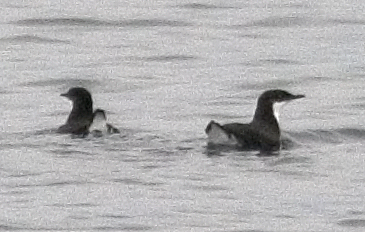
pixel 294 21
pixel 204 6
pixel 87 22
pixel 338 135
pixel 31 39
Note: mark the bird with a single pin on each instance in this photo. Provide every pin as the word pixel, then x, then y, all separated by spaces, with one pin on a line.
pixel 99 126
pixel 82 117
pixel 262 133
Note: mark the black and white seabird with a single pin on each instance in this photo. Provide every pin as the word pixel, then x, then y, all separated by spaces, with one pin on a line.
pixel 262 133
pixel 100 126
pixel 82 117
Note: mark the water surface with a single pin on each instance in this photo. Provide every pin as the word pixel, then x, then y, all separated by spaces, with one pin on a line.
pixel 162 70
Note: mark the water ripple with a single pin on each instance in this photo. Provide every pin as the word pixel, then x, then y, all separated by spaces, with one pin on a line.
pixel 201 6
pixel 279 22
pixel 352 223
pixel 169 58
pixel 61 81
pixel 31 39
pixel 87 22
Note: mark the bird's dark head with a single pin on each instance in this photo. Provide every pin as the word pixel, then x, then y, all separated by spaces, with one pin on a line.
pixel 82 101
pixel 77 93
pixel 277 96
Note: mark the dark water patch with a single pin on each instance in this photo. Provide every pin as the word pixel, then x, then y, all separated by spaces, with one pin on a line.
pixel 293 21
pixel 285 216
pixel 61 183
pixel 348 21
pixel 270 84
pixel 217 150
pixel 90 22
pixel 10 5
pixel 18 145
pixel 115 216
pixel 151 166
pixel 358 105
pixel 297 174
pixel 68 205
pixel 295 5
pixel 152 23
pixel 252 36
pixel 244 231
pixel 169 58
pixel 116 149
pixel 142 77
pixel 68 153
pixel 180 148
pixel 288 143
pixel 207 188
pixel 64 183
pixel 291 160
pixel 194 140
pixel 283 83
pixel 356 212
pixel 31 39
pixel 280 61
pixel 130 181
pixel 265 154
pixel 158 151
pixel 129 159
pixel 61 82
pixel 204 6
pixel 14 192
pixel 324 136
pixel 352 132
pixel 265 62
pixel 225 102
pixel 279 22
pixel 149 137
pixel 27 175
pixel 43 131
pixel 227 196
pixel 29 228
pixel 21 201
pixel 11 228
pixel 78 217
pixel 123 228
pixel 335 136
pixel 352 223
pixel 3 91
pixel 62 22
pixel 320 78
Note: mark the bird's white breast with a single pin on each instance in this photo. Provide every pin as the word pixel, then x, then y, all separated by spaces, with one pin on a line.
pixel 277 107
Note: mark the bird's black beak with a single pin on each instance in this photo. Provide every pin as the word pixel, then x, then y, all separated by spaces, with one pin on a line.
pixel 291 97
pixel 298 96
pixel 64 94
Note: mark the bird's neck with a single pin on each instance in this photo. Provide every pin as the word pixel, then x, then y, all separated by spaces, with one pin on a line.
pixel 264 115
pixel 83 106
pixel 81 109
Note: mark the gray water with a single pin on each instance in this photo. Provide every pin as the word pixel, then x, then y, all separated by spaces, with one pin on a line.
pixel 162 70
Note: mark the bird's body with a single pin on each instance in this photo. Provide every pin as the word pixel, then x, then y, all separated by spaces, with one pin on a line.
pixel 82 116
pixel 262 133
